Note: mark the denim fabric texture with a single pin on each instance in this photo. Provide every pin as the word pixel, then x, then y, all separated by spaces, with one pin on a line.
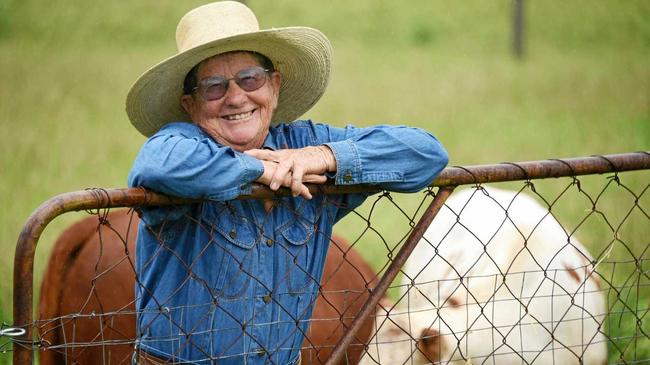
pixel 224 280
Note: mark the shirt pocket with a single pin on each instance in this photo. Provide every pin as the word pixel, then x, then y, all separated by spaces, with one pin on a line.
pixel 298 232
pixel 233 235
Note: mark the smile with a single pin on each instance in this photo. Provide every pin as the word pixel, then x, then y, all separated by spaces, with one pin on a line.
pixel 239 116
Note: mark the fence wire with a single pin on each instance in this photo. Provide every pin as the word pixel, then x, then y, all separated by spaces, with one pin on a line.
pixel 497 279
pixel 533 271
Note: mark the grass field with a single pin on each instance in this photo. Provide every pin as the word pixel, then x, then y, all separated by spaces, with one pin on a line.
pixel 583 87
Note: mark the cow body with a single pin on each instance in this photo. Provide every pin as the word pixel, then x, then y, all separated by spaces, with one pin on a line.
pixel 495 288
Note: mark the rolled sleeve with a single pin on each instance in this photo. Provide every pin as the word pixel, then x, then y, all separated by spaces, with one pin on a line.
pixel 348 163
pixel 396 158
pixel 252 169
pixel 181 160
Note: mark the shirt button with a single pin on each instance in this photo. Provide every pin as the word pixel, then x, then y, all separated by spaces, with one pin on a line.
pixel 261 352
pixel 232 234
pixel 267 298
pixel 348 176
pixel 269 242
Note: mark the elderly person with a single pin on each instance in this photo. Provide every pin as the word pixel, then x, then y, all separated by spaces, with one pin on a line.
pixel 231 281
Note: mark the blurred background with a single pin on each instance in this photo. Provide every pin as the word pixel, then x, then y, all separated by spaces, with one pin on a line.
pixel 581 86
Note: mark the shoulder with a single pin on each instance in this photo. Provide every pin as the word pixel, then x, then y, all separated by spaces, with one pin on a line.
pixel 181 129
pixel 297 126
pixel 301 133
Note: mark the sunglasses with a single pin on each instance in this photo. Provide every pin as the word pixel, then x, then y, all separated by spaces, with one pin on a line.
pixel 215 87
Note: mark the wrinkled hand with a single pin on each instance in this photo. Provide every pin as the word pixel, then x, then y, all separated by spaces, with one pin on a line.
pixel 295 167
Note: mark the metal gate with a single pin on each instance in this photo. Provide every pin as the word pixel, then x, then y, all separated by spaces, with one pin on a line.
pixel 481 290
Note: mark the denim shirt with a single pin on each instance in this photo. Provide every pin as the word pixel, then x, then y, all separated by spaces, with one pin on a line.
pixel 224 281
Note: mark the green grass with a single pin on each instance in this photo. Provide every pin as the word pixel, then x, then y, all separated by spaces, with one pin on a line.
pixel 582 89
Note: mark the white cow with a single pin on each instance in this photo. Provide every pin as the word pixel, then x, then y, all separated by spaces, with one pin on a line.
pixel 495 280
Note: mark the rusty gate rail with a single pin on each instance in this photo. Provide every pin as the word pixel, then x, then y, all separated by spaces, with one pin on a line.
pixel 138 197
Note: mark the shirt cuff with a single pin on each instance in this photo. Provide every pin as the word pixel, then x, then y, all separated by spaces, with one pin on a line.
pixel 348 163
pixel 252 169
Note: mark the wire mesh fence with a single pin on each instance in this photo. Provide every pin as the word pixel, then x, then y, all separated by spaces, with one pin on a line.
pixel 498 279
pixel 551 271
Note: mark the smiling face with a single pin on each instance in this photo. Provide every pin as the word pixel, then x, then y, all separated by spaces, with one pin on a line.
pixel 240 119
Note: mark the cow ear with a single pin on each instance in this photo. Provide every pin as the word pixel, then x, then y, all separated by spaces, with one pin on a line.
pixel 430 345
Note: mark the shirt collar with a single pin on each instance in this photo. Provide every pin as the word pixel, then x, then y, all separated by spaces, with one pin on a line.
pixel 273 140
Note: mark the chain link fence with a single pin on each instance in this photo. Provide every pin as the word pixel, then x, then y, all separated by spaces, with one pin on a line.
pixel 530 270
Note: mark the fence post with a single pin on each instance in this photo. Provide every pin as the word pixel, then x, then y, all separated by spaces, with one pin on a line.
pixel 518 28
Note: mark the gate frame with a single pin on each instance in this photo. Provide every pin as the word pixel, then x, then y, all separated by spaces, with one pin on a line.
pixel 447 181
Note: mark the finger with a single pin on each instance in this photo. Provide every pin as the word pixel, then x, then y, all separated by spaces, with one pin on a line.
pixel 298 187
pixel 261 154
pixel 305 192
pixel 281 171
pixel 301 190
pixel 253 152
pixel 269 170
pixel 296 180
pixel 314 179
pixel 287 181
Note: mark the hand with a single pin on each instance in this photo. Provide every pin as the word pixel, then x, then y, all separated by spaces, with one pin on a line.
pixel 294 167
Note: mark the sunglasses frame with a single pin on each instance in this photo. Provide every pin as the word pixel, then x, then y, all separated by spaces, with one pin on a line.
pixel 237 78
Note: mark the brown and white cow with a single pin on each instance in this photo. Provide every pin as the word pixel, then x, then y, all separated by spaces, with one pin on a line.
pixel 484 286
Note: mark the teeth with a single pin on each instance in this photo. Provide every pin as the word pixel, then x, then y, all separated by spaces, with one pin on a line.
pixel 238 116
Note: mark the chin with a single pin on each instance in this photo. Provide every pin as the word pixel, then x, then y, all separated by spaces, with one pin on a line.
pixel 240 140
pixel 242 137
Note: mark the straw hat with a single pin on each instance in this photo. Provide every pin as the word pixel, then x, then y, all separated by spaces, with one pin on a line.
pixel 303 56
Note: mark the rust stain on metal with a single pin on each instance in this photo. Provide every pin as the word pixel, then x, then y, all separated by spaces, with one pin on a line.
pixel 512 171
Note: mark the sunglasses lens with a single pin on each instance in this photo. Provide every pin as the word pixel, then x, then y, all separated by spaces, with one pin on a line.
pixel 251 79
pixel 215 88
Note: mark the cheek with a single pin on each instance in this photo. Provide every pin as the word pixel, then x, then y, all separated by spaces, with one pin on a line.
pixel 207 118
pixel 268 102
pixel 269 97
pixel 268 105
pixel 202 110
pixel 275 95
pixel 212 109
pixel 274 103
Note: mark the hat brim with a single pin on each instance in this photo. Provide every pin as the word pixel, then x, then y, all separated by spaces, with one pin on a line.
pixel 302 55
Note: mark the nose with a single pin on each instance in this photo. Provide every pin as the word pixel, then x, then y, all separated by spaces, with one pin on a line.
pixel 235 95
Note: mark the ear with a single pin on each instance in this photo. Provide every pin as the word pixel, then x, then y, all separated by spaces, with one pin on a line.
pixel 276 82
pixel 188 103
